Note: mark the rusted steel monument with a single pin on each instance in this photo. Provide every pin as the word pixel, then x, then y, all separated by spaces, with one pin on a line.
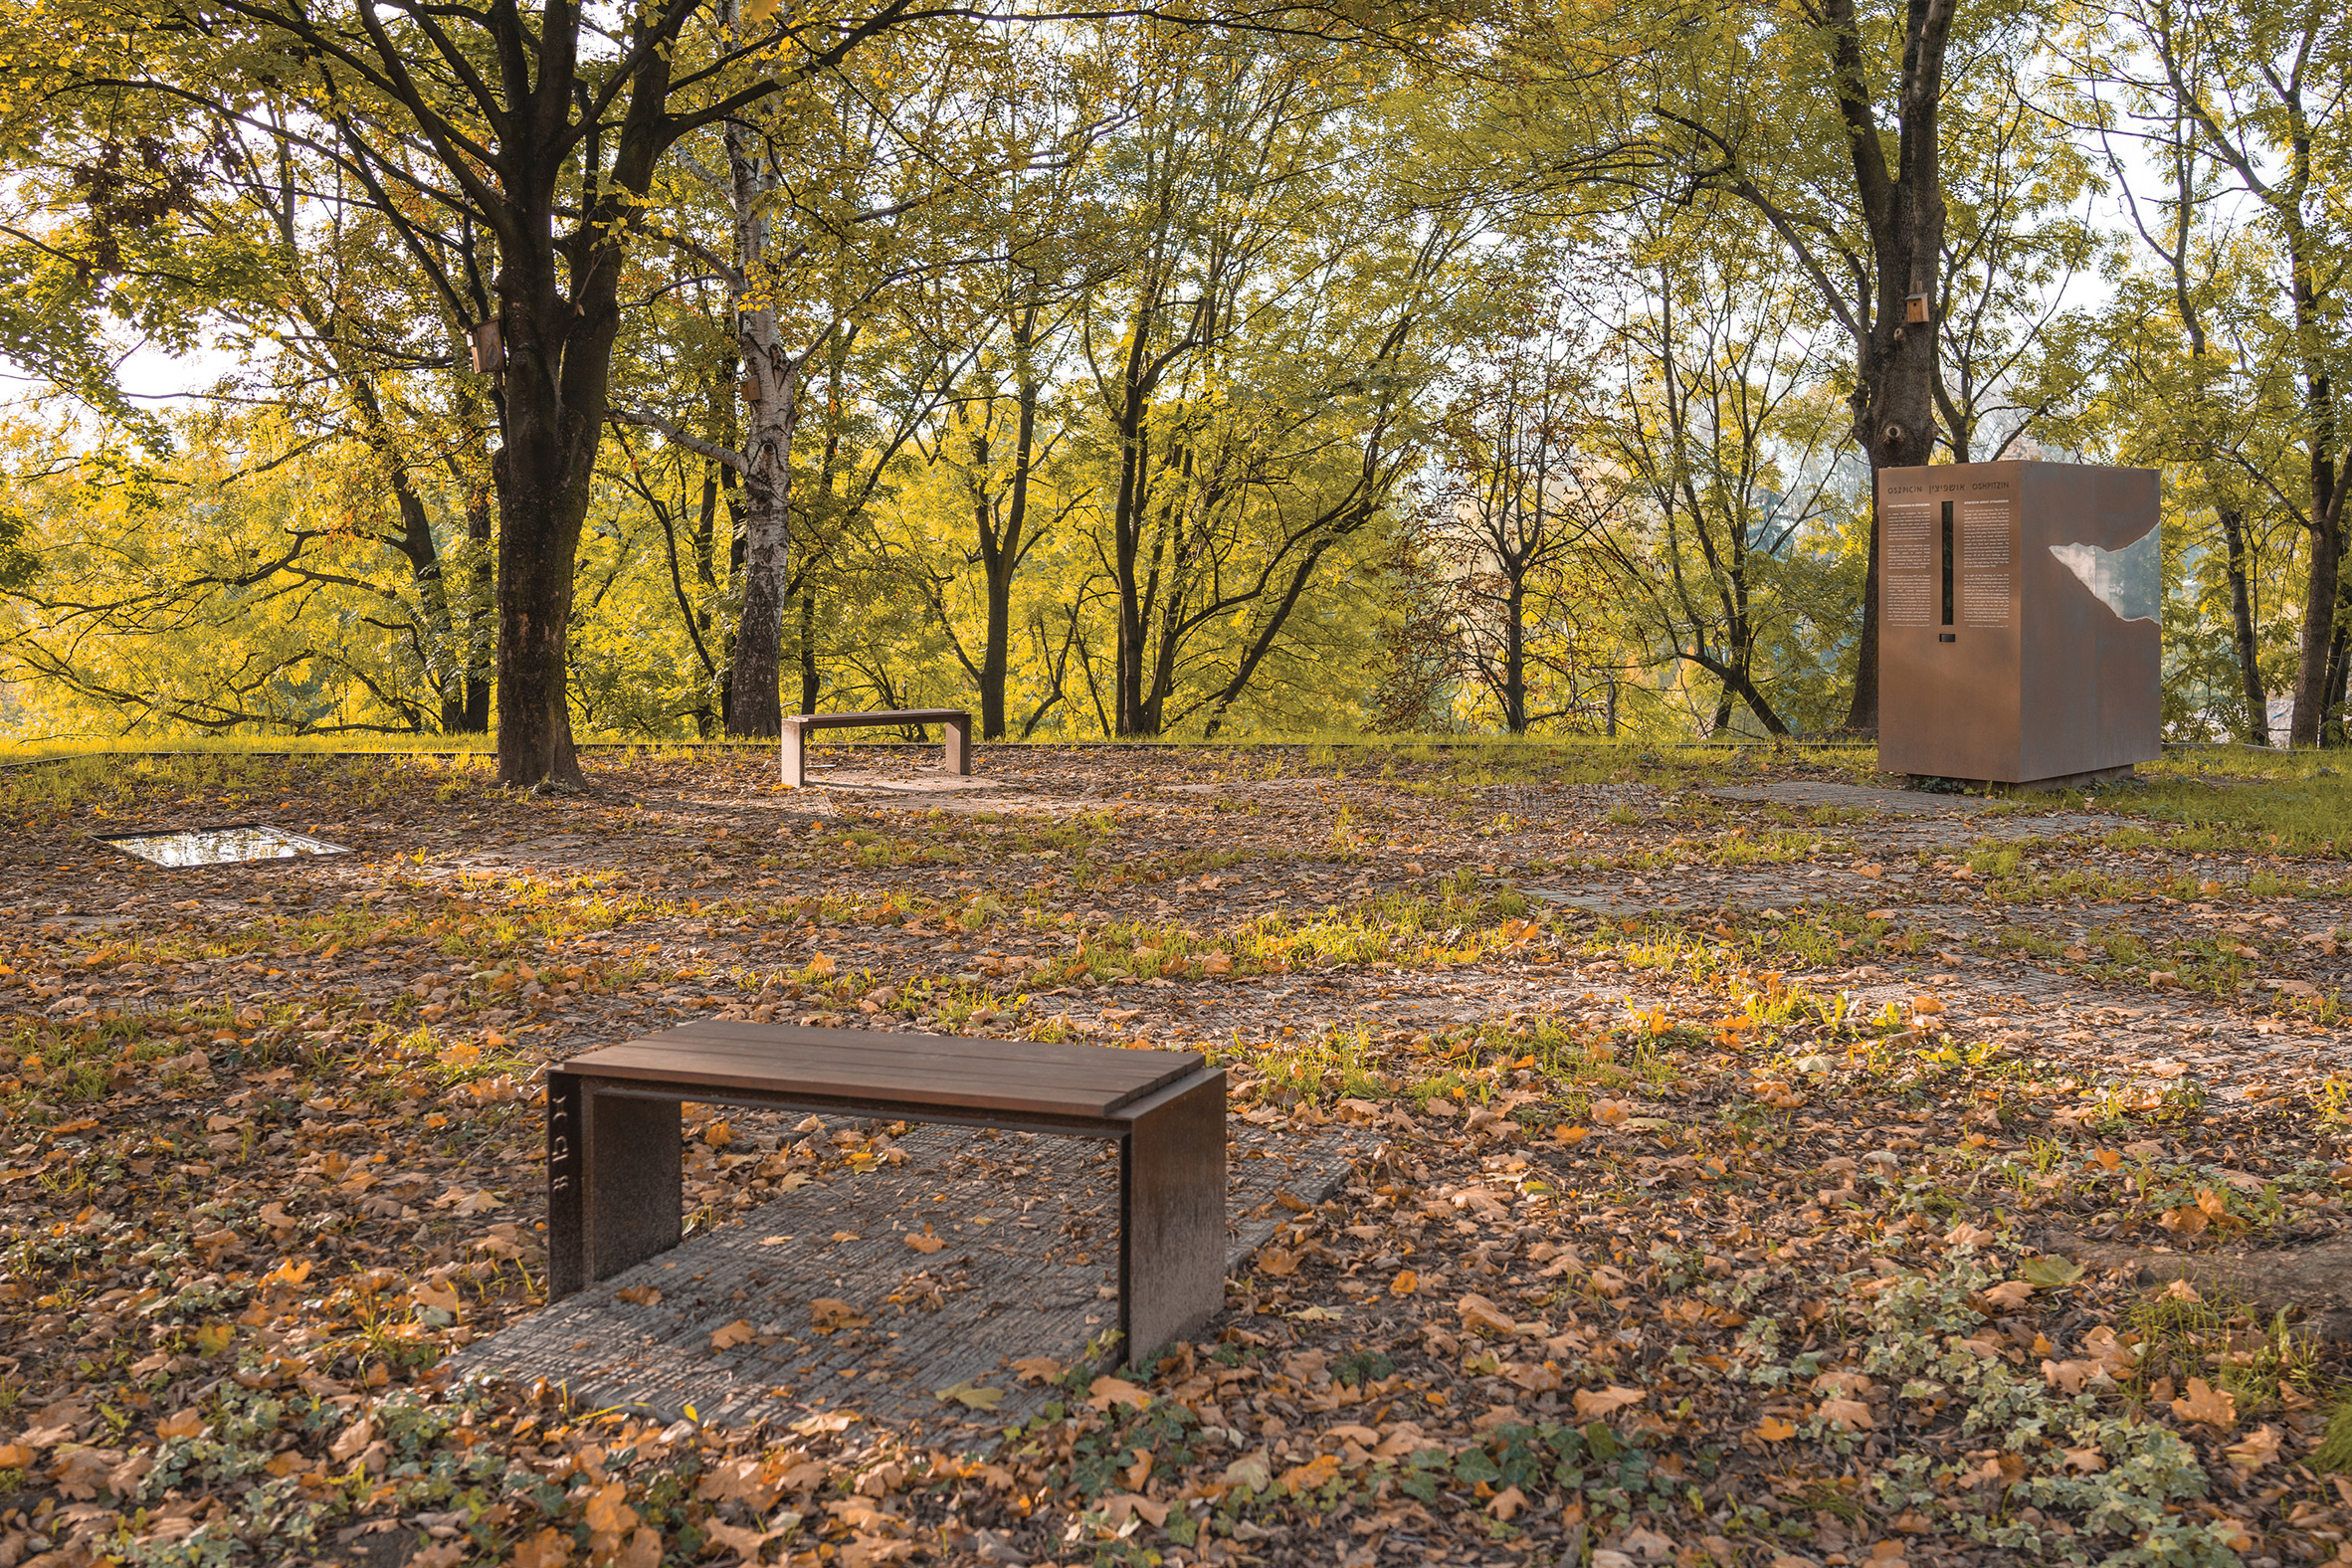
pixel 2019 615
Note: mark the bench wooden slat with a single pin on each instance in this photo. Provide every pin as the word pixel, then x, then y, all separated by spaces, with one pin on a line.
pixel 911 1069
pixel 937 1080
pixel 1113 1063
pixel 880 1044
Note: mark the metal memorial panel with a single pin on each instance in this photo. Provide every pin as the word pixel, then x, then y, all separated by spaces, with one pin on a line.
pixel 2019 620
pixel 246 841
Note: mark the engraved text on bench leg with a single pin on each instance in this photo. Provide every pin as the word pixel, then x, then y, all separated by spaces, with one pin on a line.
pixel 1172 1231
pixel 566 1241
pixel 632 1152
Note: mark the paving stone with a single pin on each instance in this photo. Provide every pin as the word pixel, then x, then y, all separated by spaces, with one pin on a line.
pixel 1037 1279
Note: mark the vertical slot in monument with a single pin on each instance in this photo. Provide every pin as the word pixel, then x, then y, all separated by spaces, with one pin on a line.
pixel 2055 570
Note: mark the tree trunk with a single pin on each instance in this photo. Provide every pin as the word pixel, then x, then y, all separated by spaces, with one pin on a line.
pixel 2241 627
pixel 1903 209
pixel 1000 553
pixel 1515 658
pixel 995 657
pixel 754 701
pixel 538 539
pixel 2339 671
pixel 808 651
pixel 558 371
pixel 558 376
pixel 2319 609
pixel 754 670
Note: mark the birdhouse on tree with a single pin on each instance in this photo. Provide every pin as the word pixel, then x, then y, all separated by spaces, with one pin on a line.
pixel 489 352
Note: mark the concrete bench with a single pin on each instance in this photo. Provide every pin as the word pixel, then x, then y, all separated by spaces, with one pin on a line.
pixel 958 722
pixel 615 1141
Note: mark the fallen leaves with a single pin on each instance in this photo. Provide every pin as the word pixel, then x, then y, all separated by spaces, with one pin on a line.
pixel 1310 1477
pixel 2050 1271
pixel 1483 1316
pixel 2008 1296
pixel 829 1314
pixel 974 1396
pixel 2212 1407
pixel 1850 1414
pixel 729 1336
pixel 1602 1402
pixel 1106 1391
pixel 1332 1333
pixel 2257 1450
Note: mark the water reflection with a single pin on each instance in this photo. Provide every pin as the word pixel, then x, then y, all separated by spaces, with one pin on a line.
pixel 219 845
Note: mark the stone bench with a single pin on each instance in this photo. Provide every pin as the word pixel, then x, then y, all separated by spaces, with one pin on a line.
pixel 957 723
pixel 615 1140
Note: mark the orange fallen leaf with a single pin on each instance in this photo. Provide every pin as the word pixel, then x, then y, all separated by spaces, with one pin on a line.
pixel 923 1240
pixel 1405 1284
pixel 551 1548
pixel 1594 1404
pixel 2214 1406
pixel 184 1423
pixel 828 1312
pixel 1774 1430
pixel 1106 1391
pixel 1038 1369
pixel 734 1334
pixel 2257 1448
pixel 1312 1476
pixel 642 1295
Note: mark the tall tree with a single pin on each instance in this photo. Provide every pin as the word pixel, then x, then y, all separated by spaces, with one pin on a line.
pixel 543 128
pixel 1753 101
pixel 1518 493
pixel 2260 89
pixel 1721 431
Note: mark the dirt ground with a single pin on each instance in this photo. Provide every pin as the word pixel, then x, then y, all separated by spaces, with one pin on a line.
pixel 1745 1162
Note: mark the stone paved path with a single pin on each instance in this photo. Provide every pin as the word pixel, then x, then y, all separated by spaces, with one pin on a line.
pixel 1030 1268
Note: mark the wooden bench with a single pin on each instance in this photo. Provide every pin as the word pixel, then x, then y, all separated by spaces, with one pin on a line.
pixel 958 722
pixel 615 1144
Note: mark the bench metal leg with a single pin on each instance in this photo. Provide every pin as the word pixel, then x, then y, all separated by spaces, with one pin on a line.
pixel 957 736
pixel 1172 1217
pixel 567 1240
pixel 796 757
pixel 632 1188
